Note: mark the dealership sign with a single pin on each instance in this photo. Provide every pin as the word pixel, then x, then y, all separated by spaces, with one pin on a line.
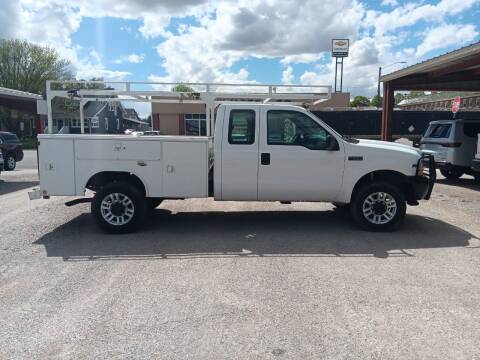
pixel 340 47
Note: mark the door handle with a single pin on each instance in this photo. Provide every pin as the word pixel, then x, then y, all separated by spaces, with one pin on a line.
pixel 265 158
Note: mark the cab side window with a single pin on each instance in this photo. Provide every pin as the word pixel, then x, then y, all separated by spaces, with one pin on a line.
pixel 295 129
pixel 241 127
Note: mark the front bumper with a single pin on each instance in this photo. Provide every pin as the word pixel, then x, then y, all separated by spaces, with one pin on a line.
pixel 476 165
pixel 423 185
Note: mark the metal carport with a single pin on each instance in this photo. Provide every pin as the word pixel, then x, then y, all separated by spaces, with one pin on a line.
pixel 458 70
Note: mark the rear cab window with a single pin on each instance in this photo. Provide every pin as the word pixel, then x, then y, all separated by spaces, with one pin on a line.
pixel 241 127
pixel 438 131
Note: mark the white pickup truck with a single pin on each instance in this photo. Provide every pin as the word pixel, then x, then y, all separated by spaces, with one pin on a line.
pixel 259 152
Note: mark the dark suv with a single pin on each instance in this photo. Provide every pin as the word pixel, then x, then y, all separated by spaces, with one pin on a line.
pixel 11 149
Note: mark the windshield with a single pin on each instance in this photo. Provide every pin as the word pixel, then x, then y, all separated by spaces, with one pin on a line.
pixel 9 138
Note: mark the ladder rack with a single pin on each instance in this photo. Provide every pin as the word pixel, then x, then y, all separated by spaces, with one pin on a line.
pixel 210 94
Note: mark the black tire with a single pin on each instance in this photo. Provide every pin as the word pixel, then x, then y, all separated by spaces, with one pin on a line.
pixel 387 219
pixel 452 174
pixel 9 163
pixel 129 216
pixel 152 203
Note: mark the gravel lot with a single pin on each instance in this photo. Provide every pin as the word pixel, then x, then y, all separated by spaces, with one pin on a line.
pixel 208 280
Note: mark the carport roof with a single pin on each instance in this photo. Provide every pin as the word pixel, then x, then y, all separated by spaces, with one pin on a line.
pixel 17 93
pixel 456 70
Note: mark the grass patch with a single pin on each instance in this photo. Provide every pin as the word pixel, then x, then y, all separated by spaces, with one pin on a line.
pixel 29 143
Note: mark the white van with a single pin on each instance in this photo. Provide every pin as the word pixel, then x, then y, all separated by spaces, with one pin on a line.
pixel 454 143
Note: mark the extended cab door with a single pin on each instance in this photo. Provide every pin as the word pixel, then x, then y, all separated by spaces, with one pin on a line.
pixel 295 162
pixel 239 154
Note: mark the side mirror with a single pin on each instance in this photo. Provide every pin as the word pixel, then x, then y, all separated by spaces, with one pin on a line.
pixel 332 143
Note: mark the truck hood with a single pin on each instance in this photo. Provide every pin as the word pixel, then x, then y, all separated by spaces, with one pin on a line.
pixel 387 145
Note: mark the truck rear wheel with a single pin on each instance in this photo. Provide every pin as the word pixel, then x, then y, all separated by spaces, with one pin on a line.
pixel 378 206
pixel 452 174
pixel 119 207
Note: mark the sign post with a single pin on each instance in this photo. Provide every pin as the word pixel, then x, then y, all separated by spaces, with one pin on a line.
pixel 339 52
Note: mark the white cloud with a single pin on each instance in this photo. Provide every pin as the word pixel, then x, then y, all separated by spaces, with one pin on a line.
pixel 132 58
pixel 446 35
pixel 301 58
pixel 287 76
pixel 413 12
pixel 255 28
pixel 226 31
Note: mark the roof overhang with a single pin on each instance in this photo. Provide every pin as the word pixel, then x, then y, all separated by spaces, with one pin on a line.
pixel 458 70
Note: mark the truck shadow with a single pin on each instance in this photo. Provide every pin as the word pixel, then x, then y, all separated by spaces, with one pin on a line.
pixel 7 187
pixel 467 183
pixel 248 234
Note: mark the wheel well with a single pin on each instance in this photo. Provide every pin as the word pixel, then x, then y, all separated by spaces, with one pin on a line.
pixel 391 177
pixel 103 178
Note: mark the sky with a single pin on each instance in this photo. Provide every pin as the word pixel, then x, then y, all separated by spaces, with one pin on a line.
pixel 242 41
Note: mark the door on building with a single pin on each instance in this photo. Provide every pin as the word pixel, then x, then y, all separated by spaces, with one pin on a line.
pixel 295 164
pixel 240 153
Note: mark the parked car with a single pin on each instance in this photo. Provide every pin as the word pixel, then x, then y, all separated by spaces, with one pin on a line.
pixel 12 150
pixel 454 143
pixel 258 153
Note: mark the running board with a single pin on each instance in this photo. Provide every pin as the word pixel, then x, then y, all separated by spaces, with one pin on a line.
pixel 78 201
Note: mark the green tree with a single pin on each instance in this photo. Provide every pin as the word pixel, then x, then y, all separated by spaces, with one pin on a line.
pixel 27 67
pixel 376 101
pixel 182 88
pixel 359 101
pixel 399 97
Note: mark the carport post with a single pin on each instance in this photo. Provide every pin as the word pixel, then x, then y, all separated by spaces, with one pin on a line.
pixel 387 111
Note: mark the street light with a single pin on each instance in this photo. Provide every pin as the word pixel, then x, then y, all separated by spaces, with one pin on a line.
pixel 380 75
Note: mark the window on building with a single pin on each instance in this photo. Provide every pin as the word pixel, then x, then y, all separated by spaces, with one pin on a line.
pixel 118 124
pixel 296 129
pixel 106 124
pixel 75 123
pixel 196 124
pixel 241 127
pixel 94 122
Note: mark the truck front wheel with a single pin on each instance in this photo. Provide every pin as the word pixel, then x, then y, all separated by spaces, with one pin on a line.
pixel 378 206
pixel 119 207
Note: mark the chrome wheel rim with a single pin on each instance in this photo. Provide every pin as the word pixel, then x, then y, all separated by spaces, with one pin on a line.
pixel 11 162
pixel 117 209
pixel 379 208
